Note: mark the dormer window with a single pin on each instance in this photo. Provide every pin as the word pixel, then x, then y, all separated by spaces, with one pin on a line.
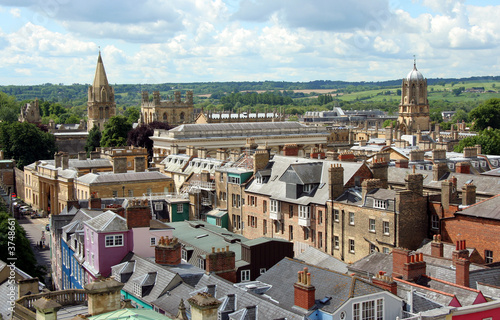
pixel 307 188
pixel 259 180
pixel 380 204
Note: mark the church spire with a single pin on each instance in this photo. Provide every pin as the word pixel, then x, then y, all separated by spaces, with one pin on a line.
pixel 100 78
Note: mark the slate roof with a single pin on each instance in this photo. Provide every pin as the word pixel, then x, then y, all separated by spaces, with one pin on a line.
pixel 130 314
pixel 107 222
pixel 110 177
pixel 486 185
pixel 490 276
pixel 137 270
pixel 266 309
pixel 276 188
pixel 489 209
pixel 328 283
pixel 372 264
pixel 320 259
pixel 243 128
pixel 303 173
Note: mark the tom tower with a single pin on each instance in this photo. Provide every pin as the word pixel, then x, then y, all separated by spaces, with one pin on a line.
pixel 101 101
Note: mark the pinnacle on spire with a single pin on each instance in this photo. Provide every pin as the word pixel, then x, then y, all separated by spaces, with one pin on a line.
pixel 100 78
pixel 414 62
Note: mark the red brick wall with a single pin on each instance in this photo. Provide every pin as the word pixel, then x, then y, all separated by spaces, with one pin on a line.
pixel 170 255
pixel 138 217
pixel 481 234
pixel 304 296
pixel 364 173
pixel 222 264
pixel 399 258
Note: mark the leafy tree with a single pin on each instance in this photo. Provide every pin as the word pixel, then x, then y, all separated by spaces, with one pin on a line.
pixel 486 115
pixel 460 115
pixel 9 108
pixel 93 140
pixel 435 115
pixel 489 140
pixel 25 257
pixel 115 132
pixel 72 119
pixel 26 143
pixel 132 114
pixel 388 122
pixel 139 137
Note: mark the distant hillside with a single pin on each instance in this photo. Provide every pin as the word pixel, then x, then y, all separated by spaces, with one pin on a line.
pixel 130 94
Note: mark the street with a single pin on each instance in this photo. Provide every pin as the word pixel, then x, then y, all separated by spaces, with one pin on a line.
pixel 34 228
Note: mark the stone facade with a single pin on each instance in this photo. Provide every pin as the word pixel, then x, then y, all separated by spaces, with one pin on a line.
pixel 414 106
pixel 101 99
pixel 30 112
pixel 172 111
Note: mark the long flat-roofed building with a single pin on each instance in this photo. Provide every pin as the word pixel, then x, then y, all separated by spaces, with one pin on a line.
pixel 233 136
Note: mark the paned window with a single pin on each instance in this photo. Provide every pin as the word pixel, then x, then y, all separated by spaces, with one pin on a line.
pixel 245 275
pixel 372 225
pixel 304 212
pixel 386 227
pixel 180 207
pixel 336 242
pixel 351 245
pixel 336 215
pixel 114 240
pixel 488 256
pixel 351 218
pixel 435 221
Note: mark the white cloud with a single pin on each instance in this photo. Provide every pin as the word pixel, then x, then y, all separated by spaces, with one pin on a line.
pixel 23 71
pixel 385 45
pixel 15 12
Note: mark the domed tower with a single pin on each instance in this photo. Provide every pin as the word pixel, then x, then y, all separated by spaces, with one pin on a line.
pixel 101 101
pixel 414 107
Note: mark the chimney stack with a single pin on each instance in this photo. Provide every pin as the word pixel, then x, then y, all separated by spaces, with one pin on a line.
pixel 460 252
pixel 415 182
pixel 103 296
pixel 95 155
pixel 174 149
pixel 291 150
pixel 463 167
pixel 221 155
pixel 204 306
pixel 202 153
pixel 222 263
pixel 436 246
pixel 380 167
pixel 462 271
pixel 57 159
pixel 139 164
pixel 260 160
pixel 82 155
pixel 138 214
pixel 439 169
pixel 94 201
pixel 120 165
pixel 168 251
pixel 27 286
pixel 385 282
pixel 304 291
pixel 406 266
pixel 468 194
pixel 46 309
pixel 368 185
pixel 65 160
pixel 335 181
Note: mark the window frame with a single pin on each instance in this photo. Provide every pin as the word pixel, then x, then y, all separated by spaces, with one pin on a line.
pixel 386 228
pixel 114 240
pixel 352 246
pixel 488 256
pixel 351 219
pixel 371 225
pixel 245 275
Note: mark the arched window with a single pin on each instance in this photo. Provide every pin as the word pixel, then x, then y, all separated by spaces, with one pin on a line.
pixel 182 116
pixel 165 116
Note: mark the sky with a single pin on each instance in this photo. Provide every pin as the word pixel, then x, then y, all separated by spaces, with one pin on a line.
pixel 181 41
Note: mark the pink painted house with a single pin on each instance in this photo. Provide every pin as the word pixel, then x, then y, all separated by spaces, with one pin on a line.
pixel 107 241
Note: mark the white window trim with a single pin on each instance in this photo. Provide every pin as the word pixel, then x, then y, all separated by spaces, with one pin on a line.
pixel 180 207
pixel 245 275
pixel 115 236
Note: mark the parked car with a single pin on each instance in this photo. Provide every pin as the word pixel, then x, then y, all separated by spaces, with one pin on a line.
pixel 47 227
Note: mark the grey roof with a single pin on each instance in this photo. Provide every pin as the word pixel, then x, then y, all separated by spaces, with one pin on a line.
pixel 267 309
pixel 243 127
pixel 490 276
pixel 275 188
pixel 303 173
pixel 202 236
pixel 318 258
pixel 110 177
pixel 372 264
pixel 107 222
pixel 489 208
pixel 340 287
pixel 160 279
pixel 485 184
pixel 448 249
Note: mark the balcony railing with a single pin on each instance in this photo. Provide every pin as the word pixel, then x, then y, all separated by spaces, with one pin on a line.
pixel 275 215
pixel 24 306
pixel 305 222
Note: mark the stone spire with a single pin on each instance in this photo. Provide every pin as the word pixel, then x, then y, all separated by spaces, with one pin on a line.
pixel 100 78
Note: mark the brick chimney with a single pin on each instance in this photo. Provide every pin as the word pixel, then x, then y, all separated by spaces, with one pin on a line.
pixel 463 167
pixel 380 171
pixel 174 149
pixel 120 165
pixel 138 214
pixel 436 246
pixel 291 150
pixel 221 155
pixel 368 185
pixel 406 266
pixel 168 251
pixel 222 263
pixel 468 194
pixel 438 154
pixel 46 309
pixel 204 306
pixel 82 155
pixel 103 296
pixel 347 156
pixel 139 164
pixel 304 291
pixel 95 155
pixel 385 282
pixel 205 176
pixel 190 151
pixel 460 251
pixel 462 272
pixel 402 163
pixel 260 160
pixel 335 181
pixel 94 201
pixel 439 169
